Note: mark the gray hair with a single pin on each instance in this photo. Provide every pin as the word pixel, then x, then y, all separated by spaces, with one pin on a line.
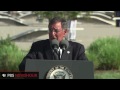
pixel 54 20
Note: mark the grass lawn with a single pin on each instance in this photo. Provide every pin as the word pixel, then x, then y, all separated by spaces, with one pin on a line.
pixel 112 74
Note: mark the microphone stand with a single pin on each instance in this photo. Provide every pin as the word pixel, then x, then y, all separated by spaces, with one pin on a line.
pixel 55 55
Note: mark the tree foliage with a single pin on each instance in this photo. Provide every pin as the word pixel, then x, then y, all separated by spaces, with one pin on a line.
pixel 65 14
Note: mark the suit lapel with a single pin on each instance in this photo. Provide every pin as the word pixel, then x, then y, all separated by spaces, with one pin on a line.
pixel 67 54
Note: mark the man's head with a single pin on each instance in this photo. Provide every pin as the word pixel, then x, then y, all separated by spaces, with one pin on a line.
pixel 57 28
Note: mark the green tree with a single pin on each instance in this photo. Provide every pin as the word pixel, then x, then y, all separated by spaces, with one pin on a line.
pixel 69 15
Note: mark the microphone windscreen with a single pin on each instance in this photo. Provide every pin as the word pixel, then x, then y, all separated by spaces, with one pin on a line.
pixel 55 44
pixel 64 44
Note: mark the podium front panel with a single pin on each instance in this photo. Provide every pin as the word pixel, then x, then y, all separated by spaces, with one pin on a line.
pixel 80 69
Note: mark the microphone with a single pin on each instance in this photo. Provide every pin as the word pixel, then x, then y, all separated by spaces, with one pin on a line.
pixel 64 44
pixel 55 44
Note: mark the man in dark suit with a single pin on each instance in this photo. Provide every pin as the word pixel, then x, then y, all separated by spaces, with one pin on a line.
pixel 42 49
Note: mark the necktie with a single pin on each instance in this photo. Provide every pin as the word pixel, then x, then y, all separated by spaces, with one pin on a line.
pixel 59 55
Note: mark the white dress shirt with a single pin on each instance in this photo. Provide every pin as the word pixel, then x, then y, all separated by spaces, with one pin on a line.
pixel 60 52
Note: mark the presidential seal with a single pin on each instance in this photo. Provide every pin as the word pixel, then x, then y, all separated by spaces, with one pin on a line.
pixel 59 72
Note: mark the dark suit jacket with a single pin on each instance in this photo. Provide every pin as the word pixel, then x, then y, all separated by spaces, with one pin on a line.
pixel 42 50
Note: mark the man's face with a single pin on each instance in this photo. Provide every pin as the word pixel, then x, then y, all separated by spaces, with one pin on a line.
pixel 57 32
